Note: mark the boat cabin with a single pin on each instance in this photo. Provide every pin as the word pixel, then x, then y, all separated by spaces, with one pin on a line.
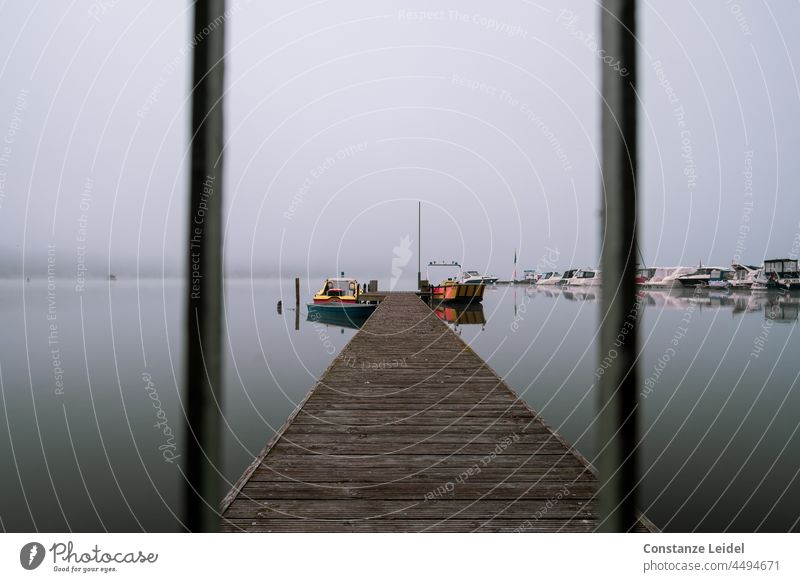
pixel 567 276
pixel 782 273
pixel 338 289
pixel 782 267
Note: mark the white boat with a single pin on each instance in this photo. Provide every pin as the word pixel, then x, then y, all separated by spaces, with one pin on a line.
pixel 529 275
pixel 667 277
pixel 716 277
pixel 783 273
pixel 475 278
pixel 719 279
pixel 567 277
pixel 744 276
pixel 704 276
pixel 585 278
pixel 549 278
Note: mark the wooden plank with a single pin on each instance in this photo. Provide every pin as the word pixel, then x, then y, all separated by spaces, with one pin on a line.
pixel 410 491
pixel 420 508
pixel 409 525
pixel 409 430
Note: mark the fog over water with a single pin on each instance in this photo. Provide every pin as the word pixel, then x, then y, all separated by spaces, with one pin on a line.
pixel 342 115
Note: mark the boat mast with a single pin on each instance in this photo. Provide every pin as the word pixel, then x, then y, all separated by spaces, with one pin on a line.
pixel 419 243
pixel 514 273
pixel 641 256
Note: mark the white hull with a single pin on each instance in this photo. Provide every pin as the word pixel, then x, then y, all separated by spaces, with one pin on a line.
pixel 552 280
pixel 585 278
pixel 667 277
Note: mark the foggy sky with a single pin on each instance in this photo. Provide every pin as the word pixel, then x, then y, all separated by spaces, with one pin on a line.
pixel 342 115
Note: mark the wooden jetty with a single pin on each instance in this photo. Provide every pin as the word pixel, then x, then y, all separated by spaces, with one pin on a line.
pixel 410 430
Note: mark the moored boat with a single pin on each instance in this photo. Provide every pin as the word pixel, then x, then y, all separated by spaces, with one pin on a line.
pixel 549 278
pixel 567 277
pixel 452 289
pixel 782 273
pixel 743 276
pixel 666 277
pixel 338 290
pixel 719 279
pixel 585 278
pixel 475 278
pixel 700 276
pixel 643 275
pixel 340 298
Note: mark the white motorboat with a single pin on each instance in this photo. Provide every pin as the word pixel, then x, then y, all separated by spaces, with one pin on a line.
pixel 744 276
pixel 585 278
pixel 719 279
pixel 567 277
pixel 475 278
pixel 704 276
pixel 549 278
pixel 666 277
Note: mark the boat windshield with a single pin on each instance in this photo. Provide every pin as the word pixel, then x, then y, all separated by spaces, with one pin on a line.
pixel 339 287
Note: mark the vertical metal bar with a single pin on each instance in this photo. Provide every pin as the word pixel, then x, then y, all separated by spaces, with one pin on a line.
pixel 204 293
pixel 619 383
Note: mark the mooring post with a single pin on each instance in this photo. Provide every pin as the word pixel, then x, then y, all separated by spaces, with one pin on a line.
pixel 204 290
pixel 620 310
pixel 297 303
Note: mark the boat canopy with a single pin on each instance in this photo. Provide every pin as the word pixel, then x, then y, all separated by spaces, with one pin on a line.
pixel 338 286
pixel 780 266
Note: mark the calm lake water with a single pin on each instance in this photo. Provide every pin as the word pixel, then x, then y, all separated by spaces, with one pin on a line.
pixel 91 421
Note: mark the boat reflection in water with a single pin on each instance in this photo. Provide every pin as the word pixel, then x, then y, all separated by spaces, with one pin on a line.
pixel 572 295
pixel 344 318
pixel 460 314
pixel 777 305
pixel 782 307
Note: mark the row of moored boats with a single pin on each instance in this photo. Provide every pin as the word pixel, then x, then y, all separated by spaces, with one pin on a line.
pixel 773 274
pixel 343 294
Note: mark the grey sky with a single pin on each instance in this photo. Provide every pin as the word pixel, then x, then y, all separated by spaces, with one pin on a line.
pixel 340 115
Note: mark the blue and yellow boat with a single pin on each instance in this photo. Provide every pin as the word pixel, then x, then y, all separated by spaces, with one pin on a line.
pixel 340 299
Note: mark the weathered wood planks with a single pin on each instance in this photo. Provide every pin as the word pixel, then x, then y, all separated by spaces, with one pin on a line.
pixel 409 430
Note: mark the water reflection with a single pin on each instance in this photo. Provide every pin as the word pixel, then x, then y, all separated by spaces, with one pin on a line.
pixel 719 428
pixel 776 305
pixel 339 318
pixel 456 315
